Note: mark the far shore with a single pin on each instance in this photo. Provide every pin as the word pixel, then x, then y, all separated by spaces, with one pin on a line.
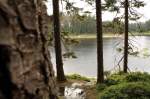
pixel 89 36
pixel 93 36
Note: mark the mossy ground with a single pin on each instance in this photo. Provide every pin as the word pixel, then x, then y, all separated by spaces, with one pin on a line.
pixel 135 85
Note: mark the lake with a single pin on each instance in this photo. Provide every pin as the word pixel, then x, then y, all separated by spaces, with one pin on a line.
pixel 86 64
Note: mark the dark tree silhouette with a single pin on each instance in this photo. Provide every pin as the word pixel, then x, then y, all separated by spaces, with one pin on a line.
pixel 126 6
pixel 100 71
pixel 57 36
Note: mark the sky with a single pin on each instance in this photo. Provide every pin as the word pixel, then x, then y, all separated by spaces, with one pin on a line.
pixel 106 15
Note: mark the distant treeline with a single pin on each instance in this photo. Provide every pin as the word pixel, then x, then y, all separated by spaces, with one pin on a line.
pixel 140 27
pixel 87 25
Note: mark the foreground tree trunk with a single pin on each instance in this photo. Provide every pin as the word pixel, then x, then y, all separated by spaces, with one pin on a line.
pixel 125 68
pixel 25 68
pixel 58 51
pixel 100 71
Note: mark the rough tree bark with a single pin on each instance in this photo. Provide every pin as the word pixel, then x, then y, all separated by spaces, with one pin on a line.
pixel 100 71
pixel 57 36
pixel 25 67
pixel 125 68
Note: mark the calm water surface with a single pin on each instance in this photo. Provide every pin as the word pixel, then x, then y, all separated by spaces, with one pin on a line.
pixel 86 63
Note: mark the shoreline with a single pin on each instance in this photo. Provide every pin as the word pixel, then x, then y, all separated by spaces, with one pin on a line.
pixel 89 36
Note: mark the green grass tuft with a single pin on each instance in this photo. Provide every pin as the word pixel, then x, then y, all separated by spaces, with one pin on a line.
pixel 78 77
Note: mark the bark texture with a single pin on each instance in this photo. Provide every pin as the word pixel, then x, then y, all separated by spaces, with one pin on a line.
pixel 26 71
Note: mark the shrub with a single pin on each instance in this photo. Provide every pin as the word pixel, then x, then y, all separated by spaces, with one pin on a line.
pixel 137 76
pixel 115 79
pixel 132 90
pixel 134 85
pixel 101 87
pixel 131 77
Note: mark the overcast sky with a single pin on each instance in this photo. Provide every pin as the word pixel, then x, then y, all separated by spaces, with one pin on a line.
pixel 145 11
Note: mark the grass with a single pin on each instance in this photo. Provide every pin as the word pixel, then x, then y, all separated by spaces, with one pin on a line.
pixel 78 77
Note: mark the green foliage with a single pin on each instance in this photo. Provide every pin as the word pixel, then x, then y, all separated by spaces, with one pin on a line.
pixel 134 85
pixel 78 77
pixel 110 5
pixel 67 38
pixel 140 27
pixel 87 25
pixel 69 55
pixel 135 52
pixel 70 8
pixel 79 25
pixel 118 78
pixel 132 90
pixel 137 76
pixel 137 3
pixel 68 41
pixel 81 22
pixel 115 79
pixel 101 87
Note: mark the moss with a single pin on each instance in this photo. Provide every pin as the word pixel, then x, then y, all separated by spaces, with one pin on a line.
pixel 115 79
pixel 132 90
pixel 137 76
pixel 135 85
pixel 78 77
pixel 101 87
pixel 131 77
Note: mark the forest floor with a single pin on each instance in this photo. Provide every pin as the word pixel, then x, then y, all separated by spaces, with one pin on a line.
pixel 89 88
pixel 116 86
pixel 78 86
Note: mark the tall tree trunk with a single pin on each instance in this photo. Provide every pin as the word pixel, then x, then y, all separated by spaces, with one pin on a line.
pixel 26 71
pixel 58 50
pixel 100 71
pixel 126 6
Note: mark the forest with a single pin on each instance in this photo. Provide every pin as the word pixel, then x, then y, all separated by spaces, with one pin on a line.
pixel 74 49
pixel 87 25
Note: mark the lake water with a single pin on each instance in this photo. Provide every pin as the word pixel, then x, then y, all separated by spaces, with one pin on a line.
pixel 86 63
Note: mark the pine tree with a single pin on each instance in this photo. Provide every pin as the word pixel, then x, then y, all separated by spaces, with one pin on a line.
pixel 57 37
pixel 100 71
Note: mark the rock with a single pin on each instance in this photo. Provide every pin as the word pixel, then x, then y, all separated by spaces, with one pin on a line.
pixel 74 93
pixel 74 85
